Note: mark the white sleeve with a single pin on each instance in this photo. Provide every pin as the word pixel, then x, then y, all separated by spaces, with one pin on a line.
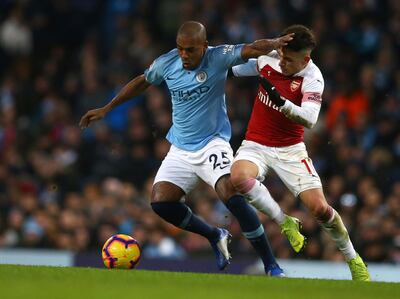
pixel 306 114
pixel 314 83
pixel 247 69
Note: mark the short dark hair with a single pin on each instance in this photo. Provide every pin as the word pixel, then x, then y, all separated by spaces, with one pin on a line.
pixel 303 39
pixel 193 29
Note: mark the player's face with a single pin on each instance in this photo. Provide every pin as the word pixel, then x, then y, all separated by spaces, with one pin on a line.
pixel 191 51
pixel 292 62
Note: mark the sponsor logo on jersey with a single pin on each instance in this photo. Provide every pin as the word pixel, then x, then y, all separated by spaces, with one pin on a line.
pixel 201 77
pixel 227 48
pixel 264 98
pixel 294 85
pixel 186 95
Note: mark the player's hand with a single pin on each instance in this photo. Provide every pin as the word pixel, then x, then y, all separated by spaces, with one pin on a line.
pixel 92 115
pixel 273 95
pixel 282 41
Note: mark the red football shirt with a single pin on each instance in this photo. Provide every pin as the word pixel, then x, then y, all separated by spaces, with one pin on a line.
pixel 267 125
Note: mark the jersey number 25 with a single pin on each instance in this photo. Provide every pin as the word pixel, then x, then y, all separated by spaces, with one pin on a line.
pixel 220 161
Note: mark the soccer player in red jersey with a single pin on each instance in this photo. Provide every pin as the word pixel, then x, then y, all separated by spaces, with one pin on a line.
pixel 195 75
pixel 288 99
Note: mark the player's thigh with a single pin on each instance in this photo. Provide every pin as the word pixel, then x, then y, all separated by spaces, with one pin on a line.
pixel 295 169
pixel 215 162
pixel 250 161
pixel 166 192
pixel 177 170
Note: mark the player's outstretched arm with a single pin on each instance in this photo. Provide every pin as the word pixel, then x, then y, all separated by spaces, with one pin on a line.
pixel 264 46
pixel 130 90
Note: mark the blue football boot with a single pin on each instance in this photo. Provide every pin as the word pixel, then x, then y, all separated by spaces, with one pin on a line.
pixel 220 247
pixel 274 271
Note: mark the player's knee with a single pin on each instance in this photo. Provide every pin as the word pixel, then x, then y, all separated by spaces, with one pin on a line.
pixel 244 184
pixel 243 174
pixel 165 192
pixel 157 197
pixel 224 188
pixel 322 212
pixel 242 179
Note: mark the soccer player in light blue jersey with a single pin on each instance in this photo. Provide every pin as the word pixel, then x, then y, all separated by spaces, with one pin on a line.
pixel 195 74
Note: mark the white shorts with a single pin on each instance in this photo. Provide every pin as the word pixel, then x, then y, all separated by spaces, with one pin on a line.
pixel 291 164
pixel 184 168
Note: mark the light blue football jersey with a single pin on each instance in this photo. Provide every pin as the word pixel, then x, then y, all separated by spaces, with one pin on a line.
pixel 198 96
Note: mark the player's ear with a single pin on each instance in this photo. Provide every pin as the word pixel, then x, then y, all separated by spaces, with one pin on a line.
pixel 206 44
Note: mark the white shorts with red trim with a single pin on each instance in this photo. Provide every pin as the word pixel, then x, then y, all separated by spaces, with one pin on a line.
pixel 184 168
pixel 291 164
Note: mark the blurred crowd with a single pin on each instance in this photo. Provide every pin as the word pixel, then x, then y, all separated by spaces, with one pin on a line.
pixel 64 188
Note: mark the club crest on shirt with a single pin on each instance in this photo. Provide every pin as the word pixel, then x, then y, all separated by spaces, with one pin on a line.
pixel 201 77
pixel 294 85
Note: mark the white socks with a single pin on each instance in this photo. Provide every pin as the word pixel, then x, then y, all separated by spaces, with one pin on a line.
pixel 336 229
pixel 260 198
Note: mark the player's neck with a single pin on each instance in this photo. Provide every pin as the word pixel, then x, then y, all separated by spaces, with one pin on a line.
pixel 300 70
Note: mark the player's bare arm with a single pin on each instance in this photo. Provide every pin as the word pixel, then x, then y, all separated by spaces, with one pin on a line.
pixel 264 46
pixel 135 87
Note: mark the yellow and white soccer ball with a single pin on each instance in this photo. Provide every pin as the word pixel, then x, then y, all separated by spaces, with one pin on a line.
pixel 121 252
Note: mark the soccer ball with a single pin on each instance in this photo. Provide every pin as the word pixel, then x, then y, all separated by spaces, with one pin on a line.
pixel 121 252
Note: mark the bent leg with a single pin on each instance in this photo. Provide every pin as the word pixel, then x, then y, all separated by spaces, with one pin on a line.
pixel 332 223
pixel 330 220
pixel 176 177
pixel 243 177
pixel 250 224
pixel 165 203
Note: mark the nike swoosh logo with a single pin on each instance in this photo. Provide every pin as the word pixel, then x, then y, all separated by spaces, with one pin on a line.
pixel 224 166
pixel 170 78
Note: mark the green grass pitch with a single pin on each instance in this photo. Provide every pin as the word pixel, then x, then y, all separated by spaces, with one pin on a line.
pixel 59 282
